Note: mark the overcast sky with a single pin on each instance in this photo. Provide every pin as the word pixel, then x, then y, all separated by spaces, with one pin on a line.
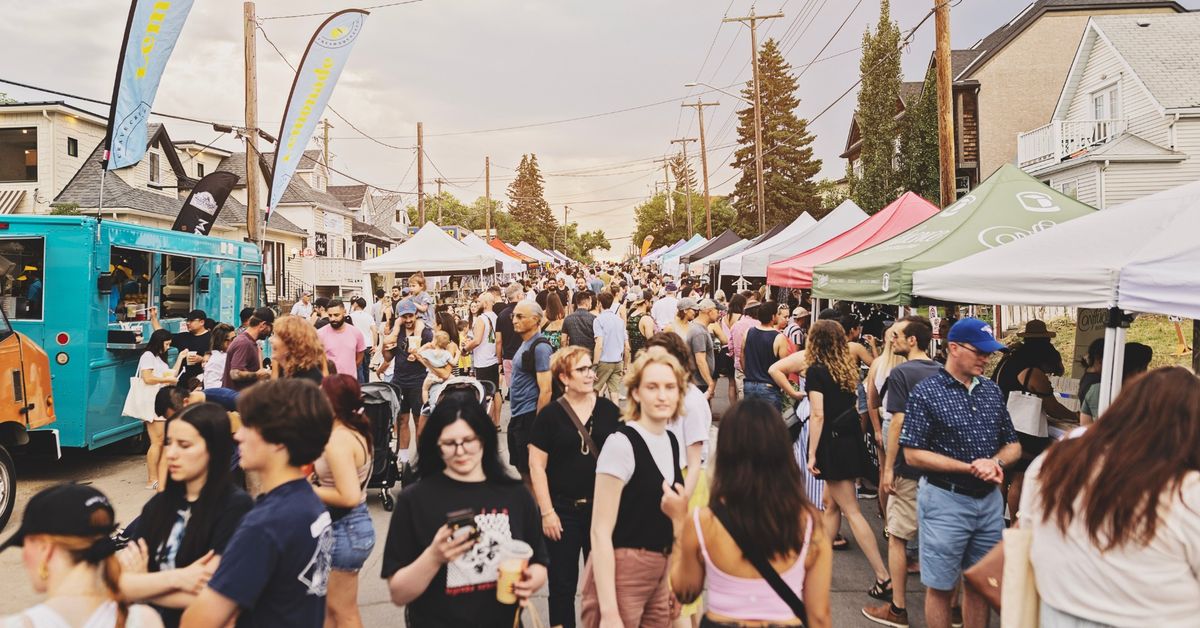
pixel 466 66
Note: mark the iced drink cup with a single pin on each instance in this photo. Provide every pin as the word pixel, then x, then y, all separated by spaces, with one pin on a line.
pixel 514 557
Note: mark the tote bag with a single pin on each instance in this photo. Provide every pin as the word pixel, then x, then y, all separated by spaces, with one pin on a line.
pixel 1020 605
pixel 1026 412
pixel 139 402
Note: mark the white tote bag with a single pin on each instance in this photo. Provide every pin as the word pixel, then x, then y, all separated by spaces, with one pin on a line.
pixel 1026 412
pixel 1020 604
pixel 139 402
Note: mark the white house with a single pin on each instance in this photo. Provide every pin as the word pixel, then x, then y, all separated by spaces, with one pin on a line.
pixel 42 146
pixel 1127 123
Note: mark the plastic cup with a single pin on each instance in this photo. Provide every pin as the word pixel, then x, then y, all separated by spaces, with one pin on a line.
pixel 514 557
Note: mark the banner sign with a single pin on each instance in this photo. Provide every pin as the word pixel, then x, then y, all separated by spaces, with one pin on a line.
pixel 646 244
pixel 150 36
pixel 200 210
pixel 319 71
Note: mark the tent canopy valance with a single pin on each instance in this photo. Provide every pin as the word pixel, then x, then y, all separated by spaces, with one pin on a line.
pixel 508 264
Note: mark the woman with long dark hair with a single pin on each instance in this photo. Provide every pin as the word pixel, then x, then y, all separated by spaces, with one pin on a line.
pixel 1115 513
pixel 155 373
pixel 552 329
pixel 182 531
pixel 342 473
pixel 757 508
pixel 447 575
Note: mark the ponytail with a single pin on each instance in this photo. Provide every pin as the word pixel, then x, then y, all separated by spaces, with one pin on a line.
pixel 110 572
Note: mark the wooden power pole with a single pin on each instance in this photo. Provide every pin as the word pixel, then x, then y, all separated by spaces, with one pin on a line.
pixel 753 19
pixel 421 174
pixel 325 126
pixel 687 181
pixel 439 181
pixel 252 201
pixel 667 186
pixel 945 101
pixel 487 195
pixel 704 163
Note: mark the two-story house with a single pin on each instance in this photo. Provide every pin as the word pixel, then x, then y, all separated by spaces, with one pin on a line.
pixel 1127 122
pixel 374 216
pixel 42 146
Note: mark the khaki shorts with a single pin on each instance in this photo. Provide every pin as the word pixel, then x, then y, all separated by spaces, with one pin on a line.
pixel 609 374
pixel 902 509
pixel 739 379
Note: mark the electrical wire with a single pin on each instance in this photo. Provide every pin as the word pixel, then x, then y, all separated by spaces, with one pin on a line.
pixel 371 8
pixel 101 102
pixel 831 38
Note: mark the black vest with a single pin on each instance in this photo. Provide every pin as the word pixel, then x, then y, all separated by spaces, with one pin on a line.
pixel 641 523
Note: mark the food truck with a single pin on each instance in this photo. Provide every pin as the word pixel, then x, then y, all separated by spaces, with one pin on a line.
pixel 80 288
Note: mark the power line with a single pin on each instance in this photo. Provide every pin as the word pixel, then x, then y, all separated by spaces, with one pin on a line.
pixel 831 38
pixel 101 102
pixel 378 6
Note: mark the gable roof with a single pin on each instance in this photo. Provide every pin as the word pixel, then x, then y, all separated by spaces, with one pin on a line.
pixel 349 195
pixel 995 41
pixel 910 91
pixel 1162 54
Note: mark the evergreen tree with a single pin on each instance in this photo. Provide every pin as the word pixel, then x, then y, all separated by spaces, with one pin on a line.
pixel 877 100
pixel 684 174
pixel 919 143
pixel 788 162
pixel 527 204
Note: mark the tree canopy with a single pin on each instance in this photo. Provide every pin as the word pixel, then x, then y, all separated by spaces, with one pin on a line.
pixel 878 100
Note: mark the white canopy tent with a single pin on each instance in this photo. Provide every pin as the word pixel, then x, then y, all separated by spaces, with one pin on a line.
pixel 508 265
pixel 842 219
pixel 701 265
pixel 535 253
pixel 669 263
pixel 732 265
pixel 1140 256
pixel 431 251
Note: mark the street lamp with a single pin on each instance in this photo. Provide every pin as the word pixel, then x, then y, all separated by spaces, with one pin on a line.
pixel 756 104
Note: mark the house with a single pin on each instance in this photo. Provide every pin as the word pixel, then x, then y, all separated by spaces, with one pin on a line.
pixel 375 231
pixel 42 146
pixel 909 93
pixel 1008 82
pixel 1127 122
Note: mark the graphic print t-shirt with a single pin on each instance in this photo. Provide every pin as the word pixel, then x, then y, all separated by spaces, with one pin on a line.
pixel 276 567
pixel 463 593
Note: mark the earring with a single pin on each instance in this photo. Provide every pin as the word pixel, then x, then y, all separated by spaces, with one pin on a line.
pixel 44 572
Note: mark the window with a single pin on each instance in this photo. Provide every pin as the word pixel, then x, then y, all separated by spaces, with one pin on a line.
pixel 199 170
pixel 1069 188
pixel 177 287
pixel 154 168
pixel 18 154
pixel 130 295
pixel 1106 103
pixel 250 291
pixel 72 147
pixel 21 288
pixel 322 245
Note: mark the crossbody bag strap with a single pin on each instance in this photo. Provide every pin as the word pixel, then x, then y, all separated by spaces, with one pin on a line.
pixel 764 568
pixel 587 436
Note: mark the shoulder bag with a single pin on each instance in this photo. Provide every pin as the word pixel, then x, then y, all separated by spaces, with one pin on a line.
pixel 764 568
pixel 583 433
pixel 1025 410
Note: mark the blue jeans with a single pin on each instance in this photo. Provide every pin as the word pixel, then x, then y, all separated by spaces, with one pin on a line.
pixel 564 560
pixel 955 531
pixel 353 539
pixel 762 390
pixel 364 369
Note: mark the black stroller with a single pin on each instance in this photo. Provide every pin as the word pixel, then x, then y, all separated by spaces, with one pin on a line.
pixel 381 403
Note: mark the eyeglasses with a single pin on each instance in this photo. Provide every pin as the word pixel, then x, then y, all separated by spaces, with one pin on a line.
pixel 469 445
pixel 977 352
pixel 582 370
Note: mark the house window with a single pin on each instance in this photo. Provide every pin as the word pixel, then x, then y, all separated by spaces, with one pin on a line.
pixel 1069 188
pixel 398 219
pixel 72 147
pixel 154 173
pixel 1106 104
pixel 199 170
pixel 18 154
pixel 322 245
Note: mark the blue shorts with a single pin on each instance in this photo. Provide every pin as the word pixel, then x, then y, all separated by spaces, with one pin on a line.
pixel 353 539
pixel 955 531
pixel 862 398
pixel 764 391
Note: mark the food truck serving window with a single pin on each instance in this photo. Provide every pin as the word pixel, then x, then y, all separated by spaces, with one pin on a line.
pixel 176 286
pixel 131 273
pixel 22 279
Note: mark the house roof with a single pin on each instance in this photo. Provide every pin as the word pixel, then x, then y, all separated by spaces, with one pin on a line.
pixel 349 195
pixel 365 229
pixel 45 104
pixel 1162 53
pixel 994 42
pixel 911 91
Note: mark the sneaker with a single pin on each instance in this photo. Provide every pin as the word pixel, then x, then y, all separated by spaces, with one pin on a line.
pixel 866 492
pixel 884 615
pixel 956 617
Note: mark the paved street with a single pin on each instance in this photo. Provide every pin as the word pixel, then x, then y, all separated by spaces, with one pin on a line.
pixel 122 478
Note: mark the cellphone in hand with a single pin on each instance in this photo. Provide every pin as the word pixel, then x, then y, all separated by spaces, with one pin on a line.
pixel 462 523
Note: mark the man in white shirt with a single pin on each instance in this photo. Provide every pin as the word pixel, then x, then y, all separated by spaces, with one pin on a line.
pixel 664 310
pixel 364 323
pixel 304 307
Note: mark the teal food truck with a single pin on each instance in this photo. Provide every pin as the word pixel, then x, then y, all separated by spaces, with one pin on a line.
pixel 80 288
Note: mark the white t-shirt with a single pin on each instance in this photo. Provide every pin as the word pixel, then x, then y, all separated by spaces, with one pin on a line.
pixel 154 363
pixel 1127 585
pixel 214 370
pixel 664 311
pixel 362 322
pixel 484 355
pixel 692 427
pixel 616 459
pixel 302 309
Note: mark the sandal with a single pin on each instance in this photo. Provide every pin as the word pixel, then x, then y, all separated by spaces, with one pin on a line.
pixel 882 590
pixel 840 543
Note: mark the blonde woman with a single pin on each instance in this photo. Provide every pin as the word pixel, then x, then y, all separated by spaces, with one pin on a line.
pixel 837 455
pixel 639 490
pixel 880 418
pixel 296 351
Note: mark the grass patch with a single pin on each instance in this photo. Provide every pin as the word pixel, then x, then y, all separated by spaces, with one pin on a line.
pixel 1150 329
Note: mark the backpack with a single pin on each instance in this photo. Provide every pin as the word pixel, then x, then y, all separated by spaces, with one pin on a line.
pixel 529 365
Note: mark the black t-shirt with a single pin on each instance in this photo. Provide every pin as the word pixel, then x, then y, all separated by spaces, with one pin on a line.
pixel 835 401
pixel 580 325
pixel 200 345
pixel 409 373
pixel 463 593
pixel 900 383
pixel 571 473
pixel 229 512
pixel 498 307
pixel 508 335
pixel 276 567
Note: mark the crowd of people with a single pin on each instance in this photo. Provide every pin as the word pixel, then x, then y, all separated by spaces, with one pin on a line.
pixel 614 458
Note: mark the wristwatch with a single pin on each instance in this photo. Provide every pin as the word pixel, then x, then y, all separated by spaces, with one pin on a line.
pixel 999 462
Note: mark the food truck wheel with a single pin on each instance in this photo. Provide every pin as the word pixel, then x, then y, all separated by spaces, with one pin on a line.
pixel 8 487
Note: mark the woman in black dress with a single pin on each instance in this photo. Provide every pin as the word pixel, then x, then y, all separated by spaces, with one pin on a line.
pixel 839 455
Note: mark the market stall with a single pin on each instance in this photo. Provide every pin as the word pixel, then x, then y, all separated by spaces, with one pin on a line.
pixel 843 218
pixel 669 263
pixel 509 265
pixel 452 268
pixel 732 266
pixel 712 246
pixel 700 265
pixel 535 252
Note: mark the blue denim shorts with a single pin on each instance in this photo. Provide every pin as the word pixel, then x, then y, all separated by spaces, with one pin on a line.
pixel 353 539
pixel 955 531
pixel 767 392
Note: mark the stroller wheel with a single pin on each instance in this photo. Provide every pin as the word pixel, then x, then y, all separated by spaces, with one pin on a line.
pixel 389 502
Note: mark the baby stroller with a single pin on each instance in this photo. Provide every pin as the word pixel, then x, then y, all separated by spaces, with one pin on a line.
pixel 381 403
pixel 481 389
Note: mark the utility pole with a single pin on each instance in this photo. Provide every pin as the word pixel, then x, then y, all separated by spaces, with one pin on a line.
pixel 667 186
pixel 753 20
pixel 687 181
pixel 251 74
pixel 945 95
pixel 325 126
pixel 487 194
pixel 421 173
pixel 439 181
pixel 704 163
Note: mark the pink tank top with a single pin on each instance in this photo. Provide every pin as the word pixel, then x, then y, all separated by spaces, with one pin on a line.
pixel 750 599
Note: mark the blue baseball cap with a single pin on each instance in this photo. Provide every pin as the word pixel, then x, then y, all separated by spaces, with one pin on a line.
pixel 976 333
pixel 406 307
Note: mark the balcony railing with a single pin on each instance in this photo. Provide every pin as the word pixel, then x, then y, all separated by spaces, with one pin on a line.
pixel 1060 139
pixel 331 271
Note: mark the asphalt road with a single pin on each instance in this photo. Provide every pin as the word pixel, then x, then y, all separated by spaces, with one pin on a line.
pixel 122 478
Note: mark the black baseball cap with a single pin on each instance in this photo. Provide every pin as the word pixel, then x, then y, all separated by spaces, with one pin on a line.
pixel 197 315
pixel 64 510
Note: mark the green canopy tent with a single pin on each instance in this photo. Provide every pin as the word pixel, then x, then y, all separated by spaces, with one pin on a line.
pixel 1009 205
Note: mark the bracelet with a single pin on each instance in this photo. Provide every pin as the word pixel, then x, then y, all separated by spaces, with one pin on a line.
pixel 547 513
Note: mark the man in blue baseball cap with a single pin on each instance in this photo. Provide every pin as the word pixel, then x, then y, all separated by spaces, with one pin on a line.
pixel 409 373
pixel 958 434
